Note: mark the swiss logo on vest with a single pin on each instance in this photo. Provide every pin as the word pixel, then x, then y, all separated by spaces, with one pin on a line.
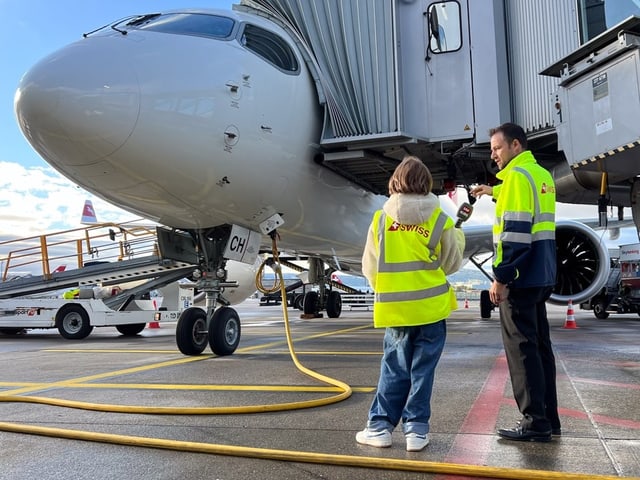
pixel 394 227
pixel 399 227
pixel 544 188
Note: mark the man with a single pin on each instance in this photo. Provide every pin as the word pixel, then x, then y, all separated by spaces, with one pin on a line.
pixel 524 271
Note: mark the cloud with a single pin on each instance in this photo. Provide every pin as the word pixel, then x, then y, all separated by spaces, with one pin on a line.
pixel 38 200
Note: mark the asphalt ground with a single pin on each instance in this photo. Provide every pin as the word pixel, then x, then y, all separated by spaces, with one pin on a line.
pixel 598 384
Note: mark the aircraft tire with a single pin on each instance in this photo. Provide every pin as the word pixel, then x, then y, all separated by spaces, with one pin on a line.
pixel 191 331
pixel 73 322
pixel 224 332
pixel 310 303
pixel 486 306
pixel 131 329
pixel 334 304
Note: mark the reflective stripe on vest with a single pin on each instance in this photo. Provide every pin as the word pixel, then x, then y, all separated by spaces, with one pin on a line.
pixel 537 219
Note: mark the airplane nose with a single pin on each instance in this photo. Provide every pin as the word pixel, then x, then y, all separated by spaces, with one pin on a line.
pixel 78 105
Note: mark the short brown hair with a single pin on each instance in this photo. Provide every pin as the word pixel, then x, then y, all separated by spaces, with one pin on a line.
pixel 511 132
pixel 411 176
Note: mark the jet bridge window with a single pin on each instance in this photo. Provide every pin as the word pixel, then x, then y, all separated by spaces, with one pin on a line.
pixel 445 27
pixel 596 16
pixel 188 24
pixel 271 47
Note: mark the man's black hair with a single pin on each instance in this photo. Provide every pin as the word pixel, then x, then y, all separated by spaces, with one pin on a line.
pixel 511 132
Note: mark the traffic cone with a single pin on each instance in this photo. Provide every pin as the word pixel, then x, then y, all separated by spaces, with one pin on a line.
pixel 154 324
pixel 570 322
pixel 466 303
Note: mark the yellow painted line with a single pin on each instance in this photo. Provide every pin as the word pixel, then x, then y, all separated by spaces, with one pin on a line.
pixel 21 384
pixel 308 337
pixel 110 350
pixel 126 371
pixel 341 353
pixel 176 351
pixel 83 380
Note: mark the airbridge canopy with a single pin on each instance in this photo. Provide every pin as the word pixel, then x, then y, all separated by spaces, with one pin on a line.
pixel 350 48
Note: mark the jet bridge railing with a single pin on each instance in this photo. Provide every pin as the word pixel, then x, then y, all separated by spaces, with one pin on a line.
pixel 43 255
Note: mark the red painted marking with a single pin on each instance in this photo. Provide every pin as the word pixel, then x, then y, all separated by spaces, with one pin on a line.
pixel 631 386
pixel 475 438
pixel 604 419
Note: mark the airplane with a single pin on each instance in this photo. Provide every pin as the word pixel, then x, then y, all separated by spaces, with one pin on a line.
pixel 208 122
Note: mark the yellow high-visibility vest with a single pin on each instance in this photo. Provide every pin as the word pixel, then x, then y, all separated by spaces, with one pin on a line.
pixel 524 227
pixel 411 288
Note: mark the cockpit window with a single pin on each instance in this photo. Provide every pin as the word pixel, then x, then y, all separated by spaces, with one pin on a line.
pixel 271 47
pixel 186 24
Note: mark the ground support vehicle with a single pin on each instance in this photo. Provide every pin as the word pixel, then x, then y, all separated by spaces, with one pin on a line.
pixel 115 270
pixel 76 318
pixel 622 291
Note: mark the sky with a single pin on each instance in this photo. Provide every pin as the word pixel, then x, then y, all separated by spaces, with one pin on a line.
pixel 34 198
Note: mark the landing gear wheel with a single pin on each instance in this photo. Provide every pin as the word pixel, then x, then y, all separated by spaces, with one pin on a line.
pixel 191 331
pixel 310 303
pixel 600 311
pixel 334 304
pixel 224 333
pixel 486 306
pixel 73 322
pixel 131 330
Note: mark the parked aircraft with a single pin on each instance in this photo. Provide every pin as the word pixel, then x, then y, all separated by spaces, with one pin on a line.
pixel 208 122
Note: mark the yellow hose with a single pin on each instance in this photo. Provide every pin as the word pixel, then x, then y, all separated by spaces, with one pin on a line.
pixel 262 453
pixel 302 457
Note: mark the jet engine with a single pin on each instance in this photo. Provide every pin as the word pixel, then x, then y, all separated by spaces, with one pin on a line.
pixel 583 263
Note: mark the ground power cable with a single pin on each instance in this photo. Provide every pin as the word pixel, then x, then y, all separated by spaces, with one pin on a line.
pixel 263 453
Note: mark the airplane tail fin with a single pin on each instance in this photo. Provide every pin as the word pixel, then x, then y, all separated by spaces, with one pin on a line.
pixel 88 214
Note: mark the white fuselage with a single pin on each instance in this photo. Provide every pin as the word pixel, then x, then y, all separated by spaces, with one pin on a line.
pixel 193 132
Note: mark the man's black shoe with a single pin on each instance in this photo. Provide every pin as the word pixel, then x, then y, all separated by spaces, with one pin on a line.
pixel 556 432
pixel 522 435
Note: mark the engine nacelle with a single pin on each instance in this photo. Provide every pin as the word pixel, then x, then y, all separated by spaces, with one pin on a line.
pixel 583 263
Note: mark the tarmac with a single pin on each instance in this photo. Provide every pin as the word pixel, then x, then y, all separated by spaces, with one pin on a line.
pixel 598 379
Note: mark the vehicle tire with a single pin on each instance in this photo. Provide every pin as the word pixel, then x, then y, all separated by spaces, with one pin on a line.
pixel 12 331
pixel 191 331
pixel 600 310
pixel 486 306
pixel 131 329
pixel 73 322
pixel 334 304
pixel 224 334
pixel 298 301
pixel 310 302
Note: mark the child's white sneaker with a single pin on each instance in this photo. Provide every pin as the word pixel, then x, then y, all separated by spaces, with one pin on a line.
pixel 416 442
pixel 374 438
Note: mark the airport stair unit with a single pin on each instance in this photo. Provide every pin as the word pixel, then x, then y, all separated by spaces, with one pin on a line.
pixel 106 255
